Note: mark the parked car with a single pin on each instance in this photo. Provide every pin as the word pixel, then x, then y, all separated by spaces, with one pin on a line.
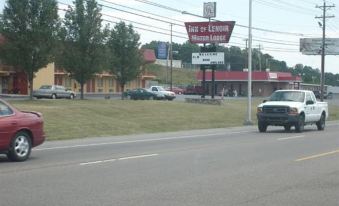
pixel 19 132
pixel 53 92
pixel 194 90
pixel 176 90
pixel 159 90
pixel 142 94
pixel 289 108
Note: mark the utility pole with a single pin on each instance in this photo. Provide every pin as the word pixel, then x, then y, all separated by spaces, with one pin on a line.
pixel 259 56
pixel 246 40
pixel 171 63
pixel 248 121
pixel 323 17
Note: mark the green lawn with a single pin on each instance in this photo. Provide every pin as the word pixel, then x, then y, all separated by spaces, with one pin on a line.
pixel 65 119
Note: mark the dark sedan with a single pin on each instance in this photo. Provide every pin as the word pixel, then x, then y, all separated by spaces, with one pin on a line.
pixel 142 94
pixel 19 132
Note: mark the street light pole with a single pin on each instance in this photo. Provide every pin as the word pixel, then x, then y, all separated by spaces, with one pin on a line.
pixel 248 121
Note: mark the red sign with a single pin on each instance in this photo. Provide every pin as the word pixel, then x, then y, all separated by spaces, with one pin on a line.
pixel 209 32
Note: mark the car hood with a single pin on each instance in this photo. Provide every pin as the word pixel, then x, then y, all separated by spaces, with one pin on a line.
pixel 281 103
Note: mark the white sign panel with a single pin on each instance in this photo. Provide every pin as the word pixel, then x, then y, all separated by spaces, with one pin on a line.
pixel 313 46
pixel 208 58
pixel 210 9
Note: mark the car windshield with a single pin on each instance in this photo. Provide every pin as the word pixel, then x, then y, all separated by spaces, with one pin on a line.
pixel 45 87
pixel 294 96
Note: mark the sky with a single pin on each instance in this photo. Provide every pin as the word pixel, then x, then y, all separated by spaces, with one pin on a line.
pixel 289 20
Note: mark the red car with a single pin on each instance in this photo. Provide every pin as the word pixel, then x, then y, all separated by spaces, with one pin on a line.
pixel 19 132
pixel 176 90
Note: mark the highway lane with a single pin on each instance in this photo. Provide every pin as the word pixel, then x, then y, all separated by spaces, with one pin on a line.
pixel 236 166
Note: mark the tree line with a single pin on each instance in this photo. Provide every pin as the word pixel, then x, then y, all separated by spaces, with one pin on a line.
pixel 79 43
pixel 236 59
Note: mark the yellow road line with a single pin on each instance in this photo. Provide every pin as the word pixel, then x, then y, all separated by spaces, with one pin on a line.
pixel 317 156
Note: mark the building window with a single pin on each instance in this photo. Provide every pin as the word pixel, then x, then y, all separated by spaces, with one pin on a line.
pixel 111 82
pixel 100 82
pixel 68 82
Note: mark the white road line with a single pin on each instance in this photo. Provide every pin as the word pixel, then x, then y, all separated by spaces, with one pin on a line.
pixel 136 141
pixel 139 156
pixel 91 163
pixel 317 156
pixel 112 160
pixel 287 138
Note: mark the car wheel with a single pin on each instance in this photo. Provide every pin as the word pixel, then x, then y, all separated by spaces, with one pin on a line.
pixel 299 127
pixel 262 126
pixel 20 148
pixel 321 122
pixel 54 96
pixel 287 128
pixel 152 98
pixel 71 96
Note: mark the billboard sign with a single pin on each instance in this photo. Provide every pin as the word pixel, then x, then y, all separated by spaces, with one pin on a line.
pixel 162 50
pixel 209 32
pixel 313 46
pixel 208 58
pixel 210 9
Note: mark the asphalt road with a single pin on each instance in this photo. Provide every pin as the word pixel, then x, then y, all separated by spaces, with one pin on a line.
pixel 237 166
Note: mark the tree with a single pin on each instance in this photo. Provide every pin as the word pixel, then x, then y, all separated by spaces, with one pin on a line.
pixel 124 54
pixel 83 39
pixel 186 51
pixel 30 29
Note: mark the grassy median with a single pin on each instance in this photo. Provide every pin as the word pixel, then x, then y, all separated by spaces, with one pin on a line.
pixel 65 119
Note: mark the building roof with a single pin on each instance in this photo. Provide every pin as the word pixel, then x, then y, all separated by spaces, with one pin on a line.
pixel 149 56
pixel 243 76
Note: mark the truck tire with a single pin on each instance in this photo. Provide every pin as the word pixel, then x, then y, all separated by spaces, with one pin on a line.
pixel 262 126
pixel 287 128
pixel 321 122
pixel 299 126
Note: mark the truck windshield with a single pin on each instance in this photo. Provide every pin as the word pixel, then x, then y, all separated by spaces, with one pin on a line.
pixel 294 96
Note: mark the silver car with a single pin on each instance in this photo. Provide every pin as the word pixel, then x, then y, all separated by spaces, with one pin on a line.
pixel 53 92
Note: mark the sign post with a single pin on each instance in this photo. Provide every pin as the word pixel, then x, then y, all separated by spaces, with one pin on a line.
pixel 211 32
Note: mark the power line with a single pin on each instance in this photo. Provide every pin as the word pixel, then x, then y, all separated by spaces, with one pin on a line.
pixel 192 14
pixel 284 7
pixel 179 36
pixel 271 41
pixel 139 10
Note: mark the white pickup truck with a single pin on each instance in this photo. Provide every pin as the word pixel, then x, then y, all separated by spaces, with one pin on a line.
pixel 289 108
pixel 160 90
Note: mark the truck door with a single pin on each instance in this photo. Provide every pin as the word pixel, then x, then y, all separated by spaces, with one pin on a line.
pixel 309 108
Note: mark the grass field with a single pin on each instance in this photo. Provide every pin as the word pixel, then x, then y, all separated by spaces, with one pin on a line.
pixel 66 119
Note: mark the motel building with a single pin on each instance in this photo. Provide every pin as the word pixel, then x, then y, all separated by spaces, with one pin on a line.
pixel 263 82
pixel 14 81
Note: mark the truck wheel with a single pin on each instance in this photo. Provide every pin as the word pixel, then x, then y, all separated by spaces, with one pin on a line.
pixel 287 128
pixel 262 126
pixel 321 123
pixel 299 126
